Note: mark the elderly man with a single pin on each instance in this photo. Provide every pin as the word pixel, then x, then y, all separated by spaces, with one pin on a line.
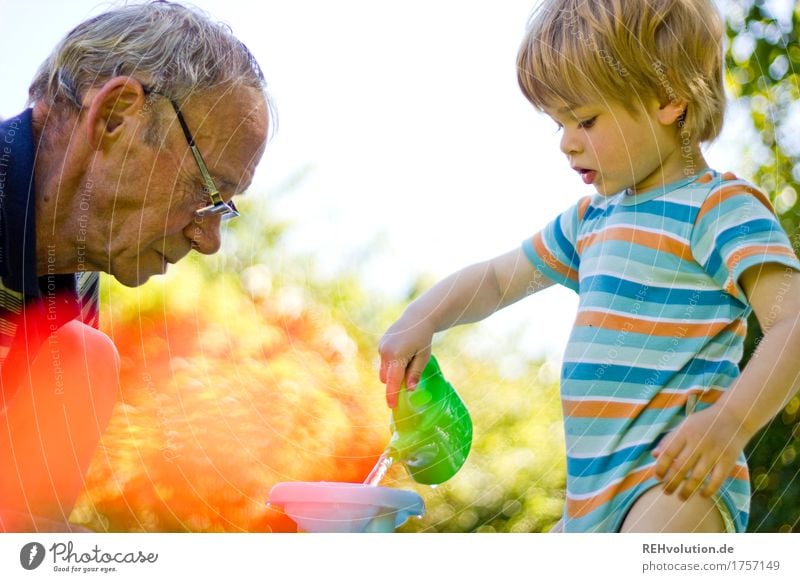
pixel 145 122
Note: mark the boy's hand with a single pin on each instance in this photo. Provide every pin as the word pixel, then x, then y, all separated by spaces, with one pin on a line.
pixel 700 453
pixel 405 349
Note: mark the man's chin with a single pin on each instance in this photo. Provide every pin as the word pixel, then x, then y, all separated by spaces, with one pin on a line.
pixel 135 279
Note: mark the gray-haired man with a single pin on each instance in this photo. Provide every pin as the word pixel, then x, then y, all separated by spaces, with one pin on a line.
pixel 145 122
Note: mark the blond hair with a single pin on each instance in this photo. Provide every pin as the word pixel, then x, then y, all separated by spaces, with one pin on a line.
pixel 170 48
pixel 627 51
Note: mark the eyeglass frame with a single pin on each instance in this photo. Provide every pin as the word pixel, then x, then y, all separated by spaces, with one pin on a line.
pixel 226 210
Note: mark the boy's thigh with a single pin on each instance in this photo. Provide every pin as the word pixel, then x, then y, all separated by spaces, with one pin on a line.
pixel 655 511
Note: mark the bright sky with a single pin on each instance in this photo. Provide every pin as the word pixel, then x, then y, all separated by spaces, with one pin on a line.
pixel 421 153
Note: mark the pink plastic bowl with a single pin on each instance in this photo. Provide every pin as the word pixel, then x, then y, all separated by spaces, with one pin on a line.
pixel 322 507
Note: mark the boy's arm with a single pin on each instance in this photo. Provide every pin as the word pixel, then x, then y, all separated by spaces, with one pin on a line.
pixel 466 296
pixel 708 443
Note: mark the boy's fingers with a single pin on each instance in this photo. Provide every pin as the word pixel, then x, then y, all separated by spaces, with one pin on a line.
pixel 694 479
pixel 395 372
pixel 415 369
pixel 667 454
pixel 382 372
pixel 677 473
pixel 714 481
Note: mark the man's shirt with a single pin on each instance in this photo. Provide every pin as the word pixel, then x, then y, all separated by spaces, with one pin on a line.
pixel 31 307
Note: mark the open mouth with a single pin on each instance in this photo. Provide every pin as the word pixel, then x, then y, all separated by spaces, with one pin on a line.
pixel 588 176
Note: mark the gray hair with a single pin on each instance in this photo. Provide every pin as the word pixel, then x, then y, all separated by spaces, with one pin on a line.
pixel 173 49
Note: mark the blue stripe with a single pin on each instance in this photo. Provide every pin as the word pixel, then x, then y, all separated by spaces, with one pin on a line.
pixel 565 246
pixel 579 467
pixel 747 229
pixel 651 293
pixel 593 212
pixel 647 376
pixel 713 263
pixel 676 211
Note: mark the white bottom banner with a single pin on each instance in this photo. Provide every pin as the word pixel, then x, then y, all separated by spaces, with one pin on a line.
pixel 399 557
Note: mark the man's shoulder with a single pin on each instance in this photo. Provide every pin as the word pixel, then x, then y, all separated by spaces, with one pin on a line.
pixel 12 126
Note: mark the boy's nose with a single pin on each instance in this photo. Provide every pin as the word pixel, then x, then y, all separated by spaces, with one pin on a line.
pixel 570 143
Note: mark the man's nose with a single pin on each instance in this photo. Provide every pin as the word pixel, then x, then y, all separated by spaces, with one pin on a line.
pixel 204 232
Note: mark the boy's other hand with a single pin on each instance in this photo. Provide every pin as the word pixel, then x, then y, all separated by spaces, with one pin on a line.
pixel 700 453
pixel 405 349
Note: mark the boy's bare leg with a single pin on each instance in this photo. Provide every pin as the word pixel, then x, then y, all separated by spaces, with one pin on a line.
pixel 655 511
pixel 51 428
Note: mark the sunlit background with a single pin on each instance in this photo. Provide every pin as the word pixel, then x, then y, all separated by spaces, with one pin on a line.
pixel 404 151
pixel 404 147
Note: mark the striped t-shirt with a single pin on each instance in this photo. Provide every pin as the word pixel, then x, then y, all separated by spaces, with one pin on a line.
pixel 659 330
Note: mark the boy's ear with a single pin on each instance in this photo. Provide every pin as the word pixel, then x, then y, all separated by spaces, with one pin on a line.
pixel 670 112
pixel 115 104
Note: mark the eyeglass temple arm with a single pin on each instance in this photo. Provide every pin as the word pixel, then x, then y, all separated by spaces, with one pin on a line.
pixel 209 183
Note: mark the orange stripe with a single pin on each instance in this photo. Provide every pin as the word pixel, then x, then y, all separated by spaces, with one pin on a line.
pixel 617 322
pixel 740 472
pixel 760 250
pixel 579 507
pixel 595 409
pixel 705 178
pixel 606 409
pixel 710 396
pixel 550 260
pixel 719 196
pixel 643 238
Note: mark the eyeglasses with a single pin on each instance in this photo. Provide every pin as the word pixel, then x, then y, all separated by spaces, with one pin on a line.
pixel 218 207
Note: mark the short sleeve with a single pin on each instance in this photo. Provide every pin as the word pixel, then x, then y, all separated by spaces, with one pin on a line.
pixel 736 229
pixel 553 249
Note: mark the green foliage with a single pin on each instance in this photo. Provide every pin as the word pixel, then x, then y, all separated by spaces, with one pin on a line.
pixel 763 66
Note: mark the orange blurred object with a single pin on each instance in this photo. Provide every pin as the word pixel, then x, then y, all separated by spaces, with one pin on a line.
pixel 219 404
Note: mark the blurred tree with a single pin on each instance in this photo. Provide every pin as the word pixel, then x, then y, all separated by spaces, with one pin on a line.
pixel 763 68
pixel 247 368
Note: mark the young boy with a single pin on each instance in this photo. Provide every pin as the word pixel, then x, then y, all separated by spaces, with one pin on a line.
pixel 668 258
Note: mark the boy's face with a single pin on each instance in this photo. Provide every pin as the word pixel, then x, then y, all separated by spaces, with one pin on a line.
pixel 613 148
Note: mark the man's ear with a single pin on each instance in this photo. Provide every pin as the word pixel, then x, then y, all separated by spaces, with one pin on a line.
pixel 117 103
pixel 672 111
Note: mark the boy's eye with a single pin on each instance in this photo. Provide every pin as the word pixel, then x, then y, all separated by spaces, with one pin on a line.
pixel 587 123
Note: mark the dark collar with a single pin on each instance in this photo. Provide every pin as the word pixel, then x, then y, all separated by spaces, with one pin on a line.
pixel 17 205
